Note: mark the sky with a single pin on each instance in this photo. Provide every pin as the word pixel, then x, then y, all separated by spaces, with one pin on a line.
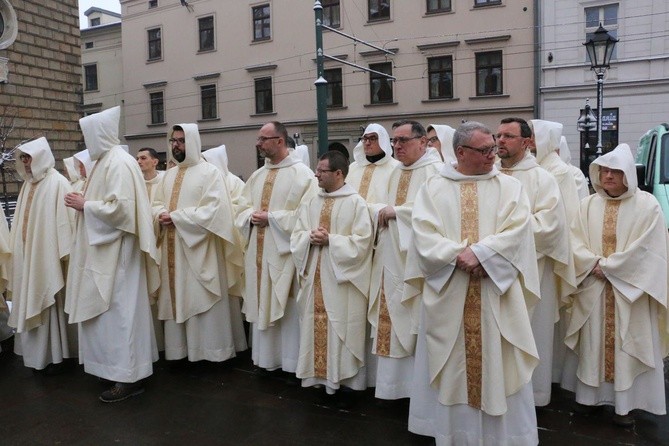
pixel 110 5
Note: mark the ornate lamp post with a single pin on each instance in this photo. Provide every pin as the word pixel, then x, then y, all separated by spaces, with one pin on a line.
pixel 586 122
pixel 600 48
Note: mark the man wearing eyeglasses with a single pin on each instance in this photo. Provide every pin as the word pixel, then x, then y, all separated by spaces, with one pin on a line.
pixel 266 218
pixel 551 238
pixel 392 322
pixel 331 248
pixel 199 252
pixel 473 257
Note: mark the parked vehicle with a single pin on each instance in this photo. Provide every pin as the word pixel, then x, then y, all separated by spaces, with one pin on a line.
pixel 652 164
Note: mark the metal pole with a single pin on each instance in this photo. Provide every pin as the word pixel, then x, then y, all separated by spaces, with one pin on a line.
pixel 321 83
pixel 600 100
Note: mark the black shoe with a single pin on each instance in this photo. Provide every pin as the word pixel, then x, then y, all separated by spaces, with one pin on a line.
pixel 120 392
pixel 623 420
pixel 60 368
pixel 582 409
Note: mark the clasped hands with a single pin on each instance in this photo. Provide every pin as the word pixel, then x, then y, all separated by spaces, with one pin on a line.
pixel 469 263
pixel 319 237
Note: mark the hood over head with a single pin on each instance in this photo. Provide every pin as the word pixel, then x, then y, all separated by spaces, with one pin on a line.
pixel 384 142
pixel 72 171
pixel 546 137
pixel 101 131
pixel 84 158
pixel 42 159
pixel 619 158
pixel 193 144
pixel 302 152
pixel 445 134
pixel 565 154
pixel 218 156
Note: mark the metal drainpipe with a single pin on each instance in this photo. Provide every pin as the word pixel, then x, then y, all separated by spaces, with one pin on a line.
pixel 537 58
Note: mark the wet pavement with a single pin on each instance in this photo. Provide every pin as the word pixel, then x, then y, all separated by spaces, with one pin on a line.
pixel 236 404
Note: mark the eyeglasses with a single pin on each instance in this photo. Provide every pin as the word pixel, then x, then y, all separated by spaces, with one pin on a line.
pixel 179 140
pixel 403 139
pixel 507 136
pixel 324 170
pixel 370 138
pixel 433 139
pixel 262 139
pixel 485 151
pixel 25 157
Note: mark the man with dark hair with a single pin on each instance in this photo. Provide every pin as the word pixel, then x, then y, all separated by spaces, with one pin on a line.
pixel 392 322
pixel 266 218
pixel 551 238
pixel 331 247
pixel 148 160
pixel 473 257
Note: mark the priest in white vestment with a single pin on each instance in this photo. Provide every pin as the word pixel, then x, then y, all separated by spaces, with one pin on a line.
pixel 393 325
pixel 6 331
pixel 331 247
pixel 113 264
pixel 440 137
pixel 148 160
pixel 551 239
pixel 218 157
pixel 581 180
pixel 474 257
pixel 84 165
pixel 619 330
pixel 72 174
pixel 266 218
pixel 40 241
pixel 198 247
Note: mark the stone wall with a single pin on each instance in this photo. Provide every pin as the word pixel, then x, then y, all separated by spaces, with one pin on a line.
pixel 43 91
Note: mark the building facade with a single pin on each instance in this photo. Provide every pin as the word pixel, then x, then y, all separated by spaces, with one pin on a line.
pixel 232 66
pixel 40 76
pixel 636 88
pixel 102 62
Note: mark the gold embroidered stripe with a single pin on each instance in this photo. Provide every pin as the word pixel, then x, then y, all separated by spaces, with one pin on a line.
pixel 171 237
pixel 366 180
pixel 26 212
pixel 507 171
pixel 469 229
pixel 384 326
pixel 267 189
pixel 609 241
pixel 403 187
pixel 320 314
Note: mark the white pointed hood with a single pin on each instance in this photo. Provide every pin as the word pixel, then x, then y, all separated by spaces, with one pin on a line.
pixel 445 134
pixel 619 158
pixel 384 142
pixel 42 159
pixel 193 145
pixel 565 154
pixel 302 152
pixel 84 158
pixel 218 156
pixel 70 168
pixel 546 137
pixel 101 131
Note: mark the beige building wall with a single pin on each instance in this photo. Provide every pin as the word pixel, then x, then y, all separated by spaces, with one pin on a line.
pixel 43 84
pixel 288 57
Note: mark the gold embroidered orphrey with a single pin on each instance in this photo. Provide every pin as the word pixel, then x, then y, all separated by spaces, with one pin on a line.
pixel 469 230
pixel 26 215
pixel 609 241
pixel 267 189
pixel 171 237
pixel 320 314
pixel 385 324
pixel 366 180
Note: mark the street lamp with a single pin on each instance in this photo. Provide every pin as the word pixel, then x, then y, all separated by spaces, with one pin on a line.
pixel 586 122
pixel 600 48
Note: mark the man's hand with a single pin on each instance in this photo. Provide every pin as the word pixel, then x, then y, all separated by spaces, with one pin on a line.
pixel 319 237
pixel 468 262
pixel 597 272
pixel 165 220
pixel 75 201
pixel 260 218
pixel 385 215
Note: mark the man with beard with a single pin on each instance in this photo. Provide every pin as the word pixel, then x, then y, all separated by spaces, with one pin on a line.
pixel 198 247
pixel 267 215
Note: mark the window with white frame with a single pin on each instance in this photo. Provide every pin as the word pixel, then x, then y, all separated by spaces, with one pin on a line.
pixel 261 23
pixel 607 15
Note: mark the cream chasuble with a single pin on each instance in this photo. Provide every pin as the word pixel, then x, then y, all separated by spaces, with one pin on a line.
pixel 480 347
pixel 393 324
pixel 278 189
pixel 334 282
pixel 619 327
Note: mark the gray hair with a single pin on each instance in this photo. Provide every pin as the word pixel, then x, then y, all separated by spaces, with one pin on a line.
pixel 465 132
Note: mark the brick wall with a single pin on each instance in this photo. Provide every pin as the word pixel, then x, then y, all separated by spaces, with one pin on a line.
pixel 44 85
